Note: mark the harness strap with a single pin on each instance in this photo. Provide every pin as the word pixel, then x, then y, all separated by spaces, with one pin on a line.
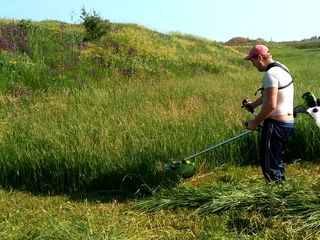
pixel 276 64
pixel 271 65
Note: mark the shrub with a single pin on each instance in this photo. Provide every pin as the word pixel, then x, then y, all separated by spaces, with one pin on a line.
pixel 95 26
pixel 13 38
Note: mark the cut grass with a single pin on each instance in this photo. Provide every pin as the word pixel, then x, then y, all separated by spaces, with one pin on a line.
pixel 295 204
pixel 248 209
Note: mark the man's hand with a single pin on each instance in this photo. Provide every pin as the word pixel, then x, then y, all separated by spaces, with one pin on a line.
pixel 247 105
pixel 251 125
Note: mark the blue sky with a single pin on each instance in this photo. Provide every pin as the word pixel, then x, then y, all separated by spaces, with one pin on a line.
pixel 219 20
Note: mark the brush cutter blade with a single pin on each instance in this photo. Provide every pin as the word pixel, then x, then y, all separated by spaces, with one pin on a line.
pixel 184 168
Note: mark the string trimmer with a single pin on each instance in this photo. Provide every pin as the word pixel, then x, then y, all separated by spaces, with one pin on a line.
pixel 186 168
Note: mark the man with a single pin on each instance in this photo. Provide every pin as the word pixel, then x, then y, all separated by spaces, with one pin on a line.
pixel 276 113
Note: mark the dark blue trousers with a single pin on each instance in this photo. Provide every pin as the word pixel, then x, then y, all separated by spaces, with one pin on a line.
pixel 274 136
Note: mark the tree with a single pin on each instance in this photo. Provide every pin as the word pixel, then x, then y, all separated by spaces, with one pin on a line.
pixel 95 26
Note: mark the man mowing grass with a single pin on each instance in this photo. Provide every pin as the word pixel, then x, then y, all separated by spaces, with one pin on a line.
pixel 276 113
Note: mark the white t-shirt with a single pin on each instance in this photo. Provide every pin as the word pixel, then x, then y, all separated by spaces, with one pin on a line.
pixel 277 77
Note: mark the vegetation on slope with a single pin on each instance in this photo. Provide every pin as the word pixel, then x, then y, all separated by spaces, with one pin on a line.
pixel 95 109
pixel 79 115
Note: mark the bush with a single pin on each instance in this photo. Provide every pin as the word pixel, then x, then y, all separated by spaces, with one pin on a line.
pixel 95 26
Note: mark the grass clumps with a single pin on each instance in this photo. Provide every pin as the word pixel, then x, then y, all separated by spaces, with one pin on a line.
pixel 251 209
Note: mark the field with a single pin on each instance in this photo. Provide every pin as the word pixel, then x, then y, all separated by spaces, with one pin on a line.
pixel 85 127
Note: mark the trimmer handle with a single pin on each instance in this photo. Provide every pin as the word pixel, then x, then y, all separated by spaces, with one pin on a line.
pixel 246 105
pixel 258 128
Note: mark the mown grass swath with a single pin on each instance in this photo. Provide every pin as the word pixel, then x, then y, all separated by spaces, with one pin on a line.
pixel 79 115
pixel 294 202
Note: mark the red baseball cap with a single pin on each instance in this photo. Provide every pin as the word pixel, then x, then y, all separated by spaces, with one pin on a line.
pixel 257 50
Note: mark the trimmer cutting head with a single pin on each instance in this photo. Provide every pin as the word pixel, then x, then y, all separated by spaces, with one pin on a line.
pixel 184 168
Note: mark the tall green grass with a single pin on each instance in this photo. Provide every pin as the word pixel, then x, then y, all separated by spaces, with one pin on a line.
pixel 91 116
pixel 83 139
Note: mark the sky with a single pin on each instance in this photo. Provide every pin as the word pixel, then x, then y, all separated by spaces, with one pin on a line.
pixel 218 20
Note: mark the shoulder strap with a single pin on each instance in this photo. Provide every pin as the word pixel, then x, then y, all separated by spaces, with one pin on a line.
pixel 275 64
pixel 285 85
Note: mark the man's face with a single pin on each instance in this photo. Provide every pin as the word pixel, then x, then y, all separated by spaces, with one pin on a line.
pixel 257 62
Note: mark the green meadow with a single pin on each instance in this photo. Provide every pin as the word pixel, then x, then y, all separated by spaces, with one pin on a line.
pixel 86 126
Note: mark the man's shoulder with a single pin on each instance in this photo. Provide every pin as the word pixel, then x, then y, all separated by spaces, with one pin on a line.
pixel 277 66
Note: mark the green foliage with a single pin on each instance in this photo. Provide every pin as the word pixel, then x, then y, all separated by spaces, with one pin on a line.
pixel 61 59
pixel 109 113
pixel 98 120
pixel 304 44
pixel 94 25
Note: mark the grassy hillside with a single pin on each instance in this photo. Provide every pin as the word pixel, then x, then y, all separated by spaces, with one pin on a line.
pixel 79 116
pixel 88 113
pixel 85 128
pixel 52 54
